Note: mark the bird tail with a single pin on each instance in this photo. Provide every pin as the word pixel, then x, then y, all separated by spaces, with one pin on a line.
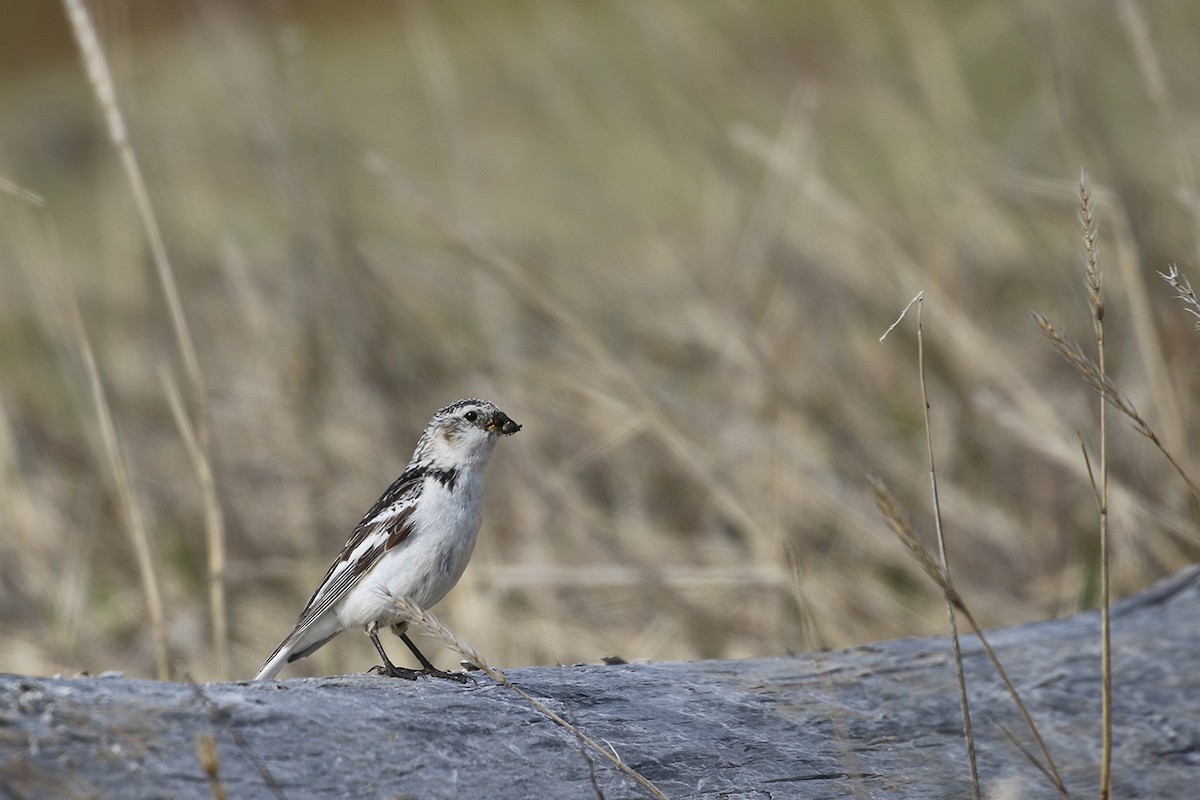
pixel 300 643
pixel 275 663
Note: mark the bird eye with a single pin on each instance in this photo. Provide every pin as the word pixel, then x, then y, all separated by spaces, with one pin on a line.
pixel 471 416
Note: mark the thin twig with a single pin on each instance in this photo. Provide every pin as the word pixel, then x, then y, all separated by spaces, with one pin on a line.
pixel 890 510
pixel 428 625
pixel 920 298
pixel 968 731
pixel 593 778
pixel 1025 751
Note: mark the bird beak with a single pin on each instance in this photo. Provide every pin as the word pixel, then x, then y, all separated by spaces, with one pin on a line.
pixel 501 422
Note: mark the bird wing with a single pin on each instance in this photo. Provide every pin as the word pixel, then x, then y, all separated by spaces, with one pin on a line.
pixel 387 524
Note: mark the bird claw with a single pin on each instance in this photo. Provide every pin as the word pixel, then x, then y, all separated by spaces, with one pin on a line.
pixel 395 672
pixel 407 674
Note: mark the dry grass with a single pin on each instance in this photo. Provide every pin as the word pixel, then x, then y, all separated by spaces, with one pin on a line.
pixel 210 761
pixel 663 237
pixel 943 563
pixel 890 510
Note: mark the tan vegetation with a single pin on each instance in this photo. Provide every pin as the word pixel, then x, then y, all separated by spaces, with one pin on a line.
pixel 665 238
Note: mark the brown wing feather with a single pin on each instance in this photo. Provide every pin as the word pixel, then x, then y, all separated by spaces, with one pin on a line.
pixel 342 576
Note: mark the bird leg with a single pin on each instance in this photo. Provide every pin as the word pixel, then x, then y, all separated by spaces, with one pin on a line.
pixel 429 669
pixel 388 668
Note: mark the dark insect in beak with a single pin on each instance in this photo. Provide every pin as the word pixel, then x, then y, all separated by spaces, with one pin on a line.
pixel 501 422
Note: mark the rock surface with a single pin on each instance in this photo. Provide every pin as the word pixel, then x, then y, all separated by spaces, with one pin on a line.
pixel 881 722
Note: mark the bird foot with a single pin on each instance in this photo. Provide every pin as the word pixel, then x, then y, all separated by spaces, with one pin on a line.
pixel 450 676
pixel 395 672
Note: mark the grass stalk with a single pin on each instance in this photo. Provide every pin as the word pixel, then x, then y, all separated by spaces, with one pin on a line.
pixel 1102 383
pixel 100 77
pixel 96 66
pixel 210 761
pixel 1091 263
pixel 968 731
pixel 427 624
pixel 889 508
pixel 1183 288
pixel 129 507
pixel 960 672
pixel 214 526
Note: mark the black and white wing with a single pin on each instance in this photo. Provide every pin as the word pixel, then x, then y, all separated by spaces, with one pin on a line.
pixel 386 525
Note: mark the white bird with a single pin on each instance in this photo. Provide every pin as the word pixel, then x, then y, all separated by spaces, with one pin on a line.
pixel 415 541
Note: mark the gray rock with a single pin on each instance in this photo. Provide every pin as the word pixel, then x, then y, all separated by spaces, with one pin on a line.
pixel 879 722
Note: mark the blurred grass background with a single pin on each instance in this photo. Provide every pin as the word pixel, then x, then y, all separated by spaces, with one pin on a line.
pixel 663 236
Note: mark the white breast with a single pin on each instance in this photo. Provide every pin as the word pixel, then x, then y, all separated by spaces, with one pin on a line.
pixel 426 565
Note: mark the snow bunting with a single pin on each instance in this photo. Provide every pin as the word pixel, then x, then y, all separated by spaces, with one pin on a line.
pixel 415 541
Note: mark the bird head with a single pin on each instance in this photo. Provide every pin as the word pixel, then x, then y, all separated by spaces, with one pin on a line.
pixel 465 432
